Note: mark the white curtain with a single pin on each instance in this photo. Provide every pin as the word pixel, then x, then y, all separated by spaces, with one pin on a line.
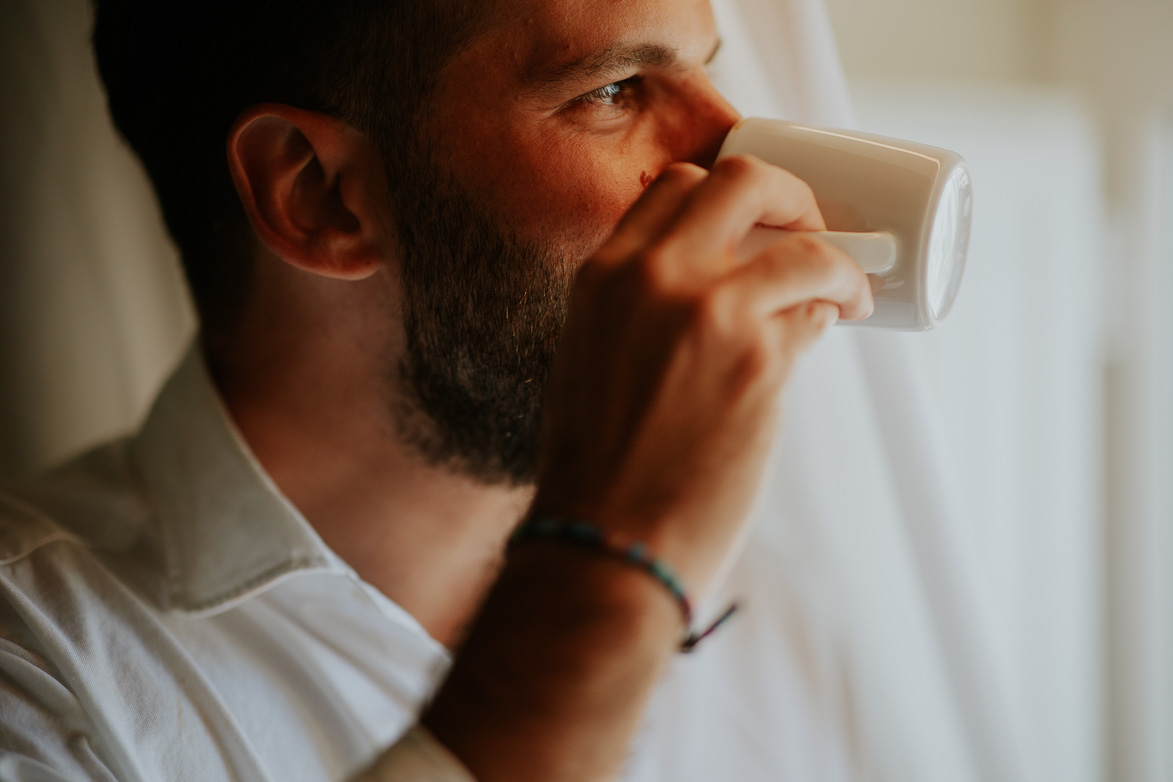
pixel 92 308
pixel 1021 370
pixel 1139 452
pixel 867 646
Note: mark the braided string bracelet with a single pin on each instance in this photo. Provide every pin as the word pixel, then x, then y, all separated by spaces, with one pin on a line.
pixel 625 549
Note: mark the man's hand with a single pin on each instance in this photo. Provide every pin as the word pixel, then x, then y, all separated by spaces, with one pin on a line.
pixel 666 388
pixel 661 406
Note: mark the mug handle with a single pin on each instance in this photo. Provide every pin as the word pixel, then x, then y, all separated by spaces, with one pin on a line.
pixel 875 252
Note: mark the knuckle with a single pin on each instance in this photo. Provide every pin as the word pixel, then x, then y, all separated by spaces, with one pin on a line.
pixel 759 361
pixel 760 365
pixel 681 174
pixel 823 260
pixel 810 247
pixel 769 180
pixel 716 311
pixel 740 167
pixel 655 266
pixel 732 333
pixel 814 318
pixel 804 324
pixel 802 188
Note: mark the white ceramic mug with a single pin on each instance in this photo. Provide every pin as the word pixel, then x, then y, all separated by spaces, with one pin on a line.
pixel 900 209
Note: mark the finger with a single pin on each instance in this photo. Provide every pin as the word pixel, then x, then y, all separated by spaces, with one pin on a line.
pixel 740 192
pixel 654 211
pixel 802 326
pixel 798 269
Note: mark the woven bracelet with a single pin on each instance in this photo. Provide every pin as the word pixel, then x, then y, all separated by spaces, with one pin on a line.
pixel 625 549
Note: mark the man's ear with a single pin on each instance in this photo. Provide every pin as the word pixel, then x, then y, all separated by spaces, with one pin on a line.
pixel 313 188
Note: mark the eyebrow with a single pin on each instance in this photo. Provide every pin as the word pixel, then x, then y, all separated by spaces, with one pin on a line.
pixel 614 61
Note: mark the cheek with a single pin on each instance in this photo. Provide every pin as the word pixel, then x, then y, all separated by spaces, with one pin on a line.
pixel 565 191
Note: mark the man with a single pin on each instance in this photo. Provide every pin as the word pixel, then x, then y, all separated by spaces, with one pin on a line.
pixel 381 211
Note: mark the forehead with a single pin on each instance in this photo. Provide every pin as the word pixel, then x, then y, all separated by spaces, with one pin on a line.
pixel 535 39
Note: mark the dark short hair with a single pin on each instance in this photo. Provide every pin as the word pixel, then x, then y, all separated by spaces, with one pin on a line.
pixel 179 72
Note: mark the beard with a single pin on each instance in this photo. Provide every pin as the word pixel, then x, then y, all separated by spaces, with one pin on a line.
pixel 482 312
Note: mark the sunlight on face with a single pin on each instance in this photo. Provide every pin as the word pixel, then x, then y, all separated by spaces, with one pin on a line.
pixel 542 133
pixel 560 114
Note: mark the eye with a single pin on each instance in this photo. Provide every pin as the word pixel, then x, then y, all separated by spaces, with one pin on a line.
pixel 613 94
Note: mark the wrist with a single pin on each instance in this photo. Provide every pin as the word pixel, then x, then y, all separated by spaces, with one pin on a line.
pixel 624 549
pixel 557 666
pixel 683 538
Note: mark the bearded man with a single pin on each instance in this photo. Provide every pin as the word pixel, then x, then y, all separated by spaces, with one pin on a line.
pixel 457 265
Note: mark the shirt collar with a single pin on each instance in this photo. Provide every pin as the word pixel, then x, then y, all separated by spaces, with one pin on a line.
pixel 226 530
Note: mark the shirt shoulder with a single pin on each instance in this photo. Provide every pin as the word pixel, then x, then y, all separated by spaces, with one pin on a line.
pixel 94 502
pixel 93 683
pixel 74 547
pixel 69 541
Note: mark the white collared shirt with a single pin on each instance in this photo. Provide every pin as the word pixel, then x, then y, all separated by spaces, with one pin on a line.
pixel 166 614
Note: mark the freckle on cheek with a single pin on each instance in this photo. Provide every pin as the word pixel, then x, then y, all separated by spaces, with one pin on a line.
pixel 645 178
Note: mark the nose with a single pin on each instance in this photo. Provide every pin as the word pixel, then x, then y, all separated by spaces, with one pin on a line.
pixel 707 119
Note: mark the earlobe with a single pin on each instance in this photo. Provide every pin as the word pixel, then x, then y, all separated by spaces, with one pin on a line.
pixel 311 187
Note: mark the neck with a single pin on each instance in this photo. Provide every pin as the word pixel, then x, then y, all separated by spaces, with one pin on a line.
pixel 314 410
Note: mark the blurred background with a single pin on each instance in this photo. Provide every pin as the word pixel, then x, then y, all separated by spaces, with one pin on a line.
pixel 1054 369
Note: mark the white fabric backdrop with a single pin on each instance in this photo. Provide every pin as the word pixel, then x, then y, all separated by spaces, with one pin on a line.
pixel 877 657
pixel 1020 370
pixel 866 649
pixel 92 309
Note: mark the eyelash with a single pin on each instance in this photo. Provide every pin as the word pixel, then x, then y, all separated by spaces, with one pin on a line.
pixel 607 94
